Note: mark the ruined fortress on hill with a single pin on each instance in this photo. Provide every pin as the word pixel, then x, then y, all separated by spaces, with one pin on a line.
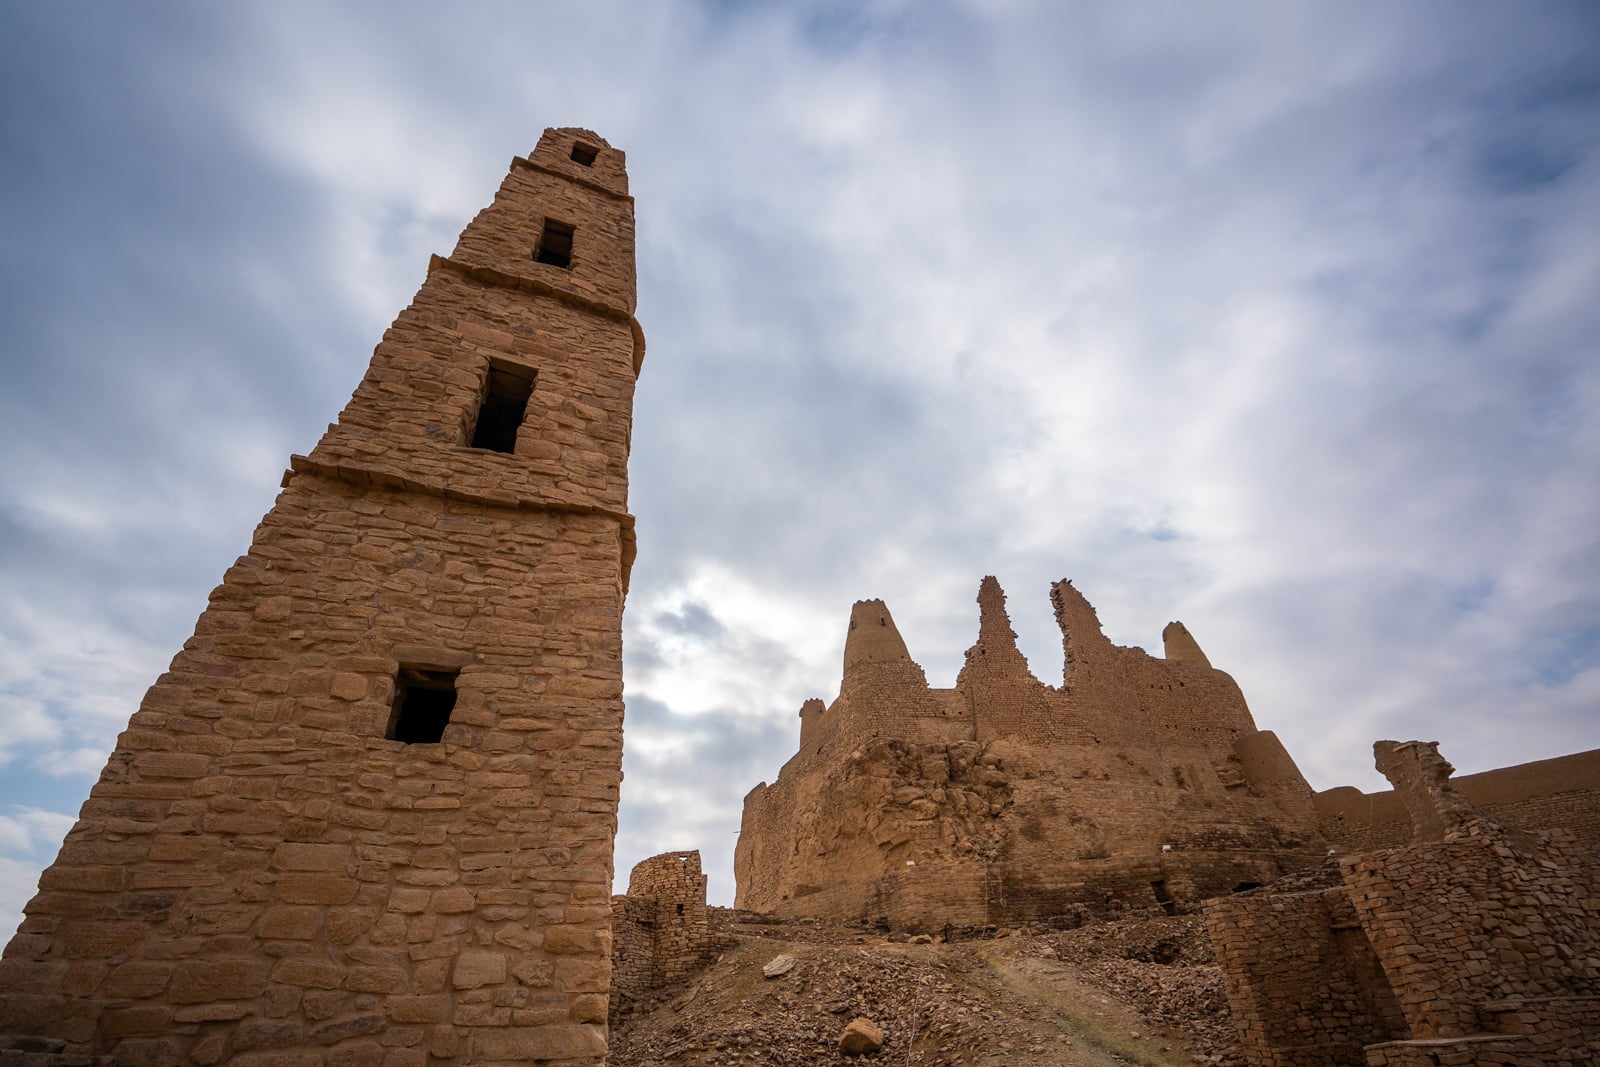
pixel 1137 781
pixel 366 817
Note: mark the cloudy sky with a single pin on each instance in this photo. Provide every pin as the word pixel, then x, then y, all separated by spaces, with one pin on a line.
pixel 1278 318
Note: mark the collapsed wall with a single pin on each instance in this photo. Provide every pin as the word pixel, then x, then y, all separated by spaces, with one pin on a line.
pixel 367 814
pixel 1137 781
pixel 1474 943
pixel 1562 793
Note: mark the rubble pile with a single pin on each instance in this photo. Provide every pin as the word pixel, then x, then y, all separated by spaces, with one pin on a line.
pixel 1141 991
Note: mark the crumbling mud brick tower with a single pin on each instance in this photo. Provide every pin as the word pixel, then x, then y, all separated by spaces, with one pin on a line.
pixel 367 815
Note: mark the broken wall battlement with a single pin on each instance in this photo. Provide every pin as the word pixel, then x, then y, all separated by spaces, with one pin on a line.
pixel 1137 780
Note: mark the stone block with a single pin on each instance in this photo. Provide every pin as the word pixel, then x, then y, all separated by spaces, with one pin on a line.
pixel 473 969
pixel 303 856
pixel 289 923
pixel 532 1044
pixel 199 981
pixel 316 889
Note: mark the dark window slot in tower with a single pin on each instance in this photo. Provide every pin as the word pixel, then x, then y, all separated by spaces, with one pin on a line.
pixel 555 245
pixel 505 402
pixel 584 155
pixel 423 700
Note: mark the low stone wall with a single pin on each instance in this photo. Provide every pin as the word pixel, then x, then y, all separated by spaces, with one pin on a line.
pixel 1476 943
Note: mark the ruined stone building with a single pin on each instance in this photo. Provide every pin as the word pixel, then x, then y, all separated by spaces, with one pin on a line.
pixel 366 817
pixel 1136 781
pixel 659 929
pixel 1474 943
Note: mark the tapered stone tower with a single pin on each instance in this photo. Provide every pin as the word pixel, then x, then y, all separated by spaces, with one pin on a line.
pixel 366 817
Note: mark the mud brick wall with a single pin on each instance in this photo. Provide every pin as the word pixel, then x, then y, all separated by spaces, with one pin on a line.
pixel 1137 777
pixel 1484 917
pixel 1553 794
pixel 265 872
pixel 926 899
pixel 1304 986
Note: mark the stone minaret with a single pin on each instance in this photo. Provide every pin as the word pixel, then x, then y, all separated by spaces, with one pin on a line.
pixel 367 815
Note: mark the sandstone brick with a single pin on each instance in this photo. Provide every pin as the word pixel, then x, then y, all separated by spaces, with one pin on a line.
pixel 434 1009
pixel 453 900
pixel 123 1022
pixel 540 1043
pixel 172 764
pixel 198 981
pixel 473 969
pixel 290 923
pixel 316 889
pixel 138 978
pixel 298 856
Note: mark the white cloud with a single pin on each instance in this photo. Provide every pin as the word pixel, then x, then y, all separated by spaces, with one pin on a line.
pixel 1277 320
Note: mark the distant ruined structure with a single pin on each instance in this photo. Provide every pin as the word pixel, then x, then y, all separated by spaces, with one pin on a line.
pixel 660 930
pixel 1137 781
pixel 367 815
pixel 1474 943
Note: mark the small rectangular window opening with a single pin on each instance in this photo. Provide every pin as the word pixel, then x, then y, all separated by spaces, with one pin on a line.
pixel 555 245
pixel 423 700
pixel 583 154
pixel 505 403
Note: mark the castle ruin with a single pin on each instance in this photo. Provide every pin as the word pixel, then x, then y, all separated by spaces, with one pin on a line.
pixel 1137 781
pixel 660 929
pixel 367 815
pixel 1476 942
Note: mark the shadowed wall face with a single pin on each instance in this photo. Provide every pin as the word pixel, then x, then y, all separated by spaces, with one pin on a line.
pixel 370 807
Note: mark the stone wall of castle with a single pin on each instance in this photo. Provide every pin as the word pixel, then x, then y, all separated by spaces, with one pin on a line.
pixel 1137 781
pixel 1486 940
pixel 367 815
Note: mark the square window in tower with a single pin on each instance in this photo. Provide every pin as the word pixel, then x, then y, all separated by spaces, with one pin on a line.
pixel 505 402
pixel 423 700
pixel 583 154
pixel 555 244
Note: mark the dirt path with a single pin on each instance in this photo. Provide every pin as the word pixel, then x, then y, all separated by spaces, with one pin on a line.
pixel 1055 1018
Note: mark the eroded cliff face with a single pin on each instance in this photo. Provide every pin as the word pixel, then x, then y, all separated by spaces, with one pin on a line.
pixel 1138 780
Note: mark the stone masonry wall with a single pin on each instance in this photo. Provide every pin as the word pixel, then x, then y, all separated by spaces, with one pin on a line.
pixel 1483 918
pixel 263 874
pixel 660 931
pixel 1304 986
pixel 1124 787
pixel 1487 937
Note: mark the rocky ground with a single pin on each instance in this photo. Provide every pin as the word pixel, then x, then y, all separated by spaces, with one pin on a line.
pixel 1139 991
